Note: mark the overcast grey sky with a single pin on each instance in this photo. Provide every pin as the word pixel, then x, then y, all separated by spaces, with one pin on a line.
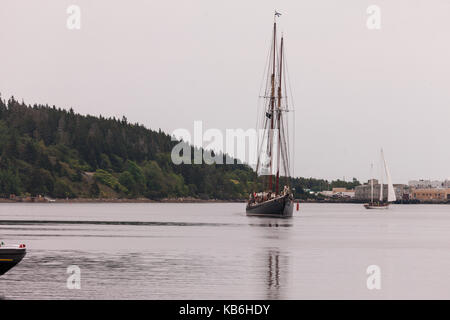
pixel 166 64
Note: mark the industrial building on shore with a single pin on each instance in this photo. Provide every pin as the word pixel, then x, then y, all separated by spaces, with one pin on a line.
pixel 431 194
pixel 416 190
pixel 364 192
pixel 430 190
pixel 339 193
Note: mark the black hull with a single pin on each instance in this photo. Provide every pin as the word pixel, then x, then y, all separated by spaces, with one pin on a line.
pixel 9 258
pixel 282 207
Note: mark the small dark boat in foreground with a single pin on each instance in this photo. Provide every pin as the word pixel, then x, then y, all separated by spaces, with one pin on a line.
pixel 10 256
pixel 273 147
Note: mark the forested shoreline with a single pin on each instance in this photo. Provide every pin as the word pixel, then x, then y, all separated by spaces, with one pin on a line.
pixel 57 153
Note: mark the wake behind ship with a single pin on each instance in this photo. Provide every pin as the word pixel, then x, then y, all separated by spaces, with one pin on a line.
pixel 273 149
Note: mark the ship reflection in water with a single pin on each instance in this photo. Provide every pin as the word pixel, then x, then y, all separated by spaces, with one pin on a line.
pixel 273 275
pixel 274 262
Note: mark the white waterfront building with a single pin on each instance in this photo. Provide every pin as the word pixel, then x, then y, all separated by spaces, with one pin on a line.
pixel 429 184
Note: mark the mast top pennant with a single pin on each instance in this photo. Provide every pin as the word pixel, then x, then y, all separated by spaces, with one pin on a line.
pixel 277 14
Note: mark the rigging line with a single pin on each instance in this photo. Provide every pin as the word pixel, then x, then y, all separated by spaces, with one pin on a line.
pixel 293 107
pixel 260 115
pixel 264 121
pixel 265 69
pixel 261 139
pixel 286 141
pixel 282 144
pixel 286 126
pixel 267 76
pixel 262 81
pixel 287 134
pixel 286 131
pixel 260 149
pixel 261 119
pixel 262 106
pixel 285 159
pixel 287 152
pixel 265 128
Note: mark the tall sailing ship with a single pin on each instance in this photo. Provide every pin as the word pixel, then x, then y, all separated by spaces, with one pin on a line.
pixel 273 146
pixel 381 204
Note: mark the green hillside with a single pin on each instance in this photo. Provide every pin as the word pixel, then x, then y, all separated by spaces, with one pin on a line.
pixel 57 153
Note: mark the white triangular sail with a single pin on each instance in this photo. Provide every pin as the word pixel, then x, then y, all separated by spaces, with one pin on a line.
pixel 381 186
pixel 381 179
pixel 391 191
pixel 371 183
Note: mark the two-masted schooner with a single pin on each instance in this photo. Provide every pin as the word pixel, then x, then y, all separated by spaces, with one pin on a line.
pixel 381 204
pixel 273 146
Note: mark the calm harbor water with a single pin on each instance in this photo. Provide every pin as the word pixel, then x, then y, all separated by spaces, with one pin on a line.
pixel 214 251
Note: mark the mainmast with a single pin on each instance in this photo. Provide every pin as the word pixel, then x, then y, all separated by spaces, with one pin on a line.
pixel 272 102
pixel 277 184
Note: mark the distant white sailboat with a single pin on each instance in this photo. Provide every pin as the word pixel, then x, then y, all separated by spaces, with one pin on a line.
pixel 381 204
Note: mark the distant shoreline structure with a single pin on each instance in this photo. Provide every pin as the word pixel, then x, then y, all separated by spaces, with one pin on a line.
pixel 198 200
